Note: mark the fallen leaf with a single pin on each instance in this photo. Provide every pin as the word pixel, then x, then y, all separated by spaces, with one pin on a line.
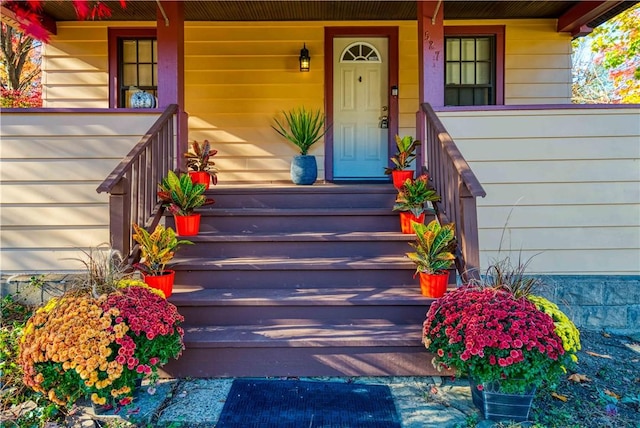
pixel 593 354
pixel 562 398
pixel 434 390
pixel 576 377
pixel 606 334
pixel 612 394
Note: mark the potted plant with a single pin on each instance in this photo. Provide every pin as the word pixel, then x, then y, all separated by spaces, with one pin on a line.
pixel 303 128
pixel 156 250
pixel 182 197
pixel 505 344
pixel 411 200
pixel 99 346
pixel 406 153
pixel 433 257
pixel 201 167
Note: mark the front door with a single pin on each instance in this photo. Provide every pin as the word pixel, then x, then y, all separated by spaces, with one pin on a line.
pixel 360 108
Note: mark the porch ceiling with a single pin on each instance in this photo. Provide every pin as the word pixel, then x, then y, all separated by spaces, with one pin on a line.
pixel 313 10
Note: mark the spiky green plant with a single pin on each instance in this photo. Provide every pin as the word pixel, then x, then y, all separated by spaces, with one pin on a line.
pixel 156 248
pixel 434 247
pixel 405 155
pixel 303 127
pixel 414 194
pixel 181 195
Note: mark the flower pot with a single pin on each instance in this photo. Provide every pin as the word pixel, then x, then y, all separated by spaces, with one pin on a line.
pixel 201 177
pixel 406 217
pixel 187 225
pixel 434 285
pixel 500 406
pixel 163 283
pixel 399 177
pixel 304 169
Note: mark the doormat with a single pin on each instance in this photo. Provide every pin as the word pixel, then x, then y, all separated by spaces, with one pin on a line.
pixel 304 404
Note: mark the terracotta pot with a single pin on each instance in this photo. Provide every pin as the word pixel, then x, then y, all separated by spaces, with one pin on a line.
pixel 187 225
pixel 405 221
pixel 163 282
pixel 434 285
pixel 399 177
pixel 201 177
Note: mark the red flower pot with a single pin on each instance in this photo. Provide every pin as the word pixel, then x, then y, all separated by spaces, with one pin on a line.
pixel 434 285
pixel 163 282
pixel 201 177
pixel 405 221
pixel 399 177
pixel 187 225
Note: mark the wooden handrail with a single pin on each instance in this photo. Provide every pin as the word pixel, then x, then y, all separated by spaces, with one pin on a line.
pixel 132 185
pixel 457 186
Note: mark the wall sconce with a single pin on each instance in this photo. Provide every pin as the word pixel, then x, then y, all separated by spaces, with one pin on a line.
pixel 305 59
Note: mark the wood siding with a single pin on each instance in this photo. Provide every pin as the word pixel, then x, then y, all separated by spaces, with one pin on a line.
pixel 239 75
pixel 563 186
pixel 50 167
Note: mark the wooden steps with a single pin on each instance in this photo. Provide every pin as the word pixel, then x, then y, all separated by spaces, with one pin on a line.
pixel 299 281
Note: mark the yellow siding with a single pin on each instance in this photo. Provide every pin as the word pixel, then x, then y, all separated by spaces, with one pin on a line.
pixel 50 167
pixel 564 183
pixel 238 75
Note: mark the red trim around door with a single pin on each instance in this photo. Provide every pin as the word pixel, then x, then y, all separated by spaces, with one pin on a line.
pixel 391 33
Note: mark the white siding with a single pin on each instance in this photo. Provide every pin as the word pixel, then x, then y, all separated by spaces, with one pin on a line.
pixel 563 185
pixel 50 167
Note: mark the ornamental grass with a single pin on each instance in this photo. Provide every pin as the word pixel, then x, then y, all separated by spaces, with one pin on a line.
pixel 81 346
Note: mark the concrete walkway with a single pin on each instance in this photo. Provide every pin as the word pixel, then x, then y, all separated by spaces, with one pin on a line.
pixel 420 402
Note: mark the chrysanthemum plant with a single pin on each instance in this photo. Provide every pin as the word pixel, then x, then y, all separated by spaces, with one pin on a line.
pixel 494 334
pixel 79 345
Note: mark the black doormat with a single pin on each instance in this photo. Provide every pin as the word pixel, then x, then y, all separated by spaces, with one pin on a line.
pixel 303 404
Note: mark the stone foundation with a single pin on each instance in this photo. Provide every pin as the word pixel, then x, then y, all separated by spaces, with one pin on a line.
pixel 597 302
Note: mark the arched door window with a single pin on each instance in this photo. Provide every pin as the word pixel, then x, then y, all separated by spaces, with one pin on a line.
pixel 360 52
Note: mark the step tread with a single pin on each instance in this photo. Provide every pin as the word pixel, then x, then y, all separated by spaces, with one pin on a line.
pixel 370 296
pixel 280 263
pixel 249 236
pixel 248 336
pixel 279 188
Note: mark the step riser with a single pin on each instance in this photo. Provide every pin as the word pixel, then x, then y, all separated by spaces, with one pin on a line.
pixel 303 200
pixel 319 278
pixel 302 315
pixel 275 362
pixel 295 224
pixel 295 249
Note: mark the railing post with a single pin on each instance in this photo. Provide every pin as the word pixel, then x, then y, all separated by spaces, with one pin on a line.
pixel 469 235
pixel 119 217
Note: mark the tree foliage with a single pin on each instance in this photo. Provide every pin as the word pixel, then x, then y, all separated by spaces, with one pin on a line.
pixel 20 61
pixel 607 62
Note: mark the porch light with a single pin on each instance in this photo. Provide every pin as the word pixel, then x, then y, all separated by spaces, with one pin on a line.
pixel 305 59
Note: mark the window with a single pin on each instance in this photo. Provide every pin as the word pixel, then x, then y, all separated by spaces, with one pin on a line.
pixel 359 52
pixel 470 71
pixel 474 65
pixel 138 67
pixel 133 62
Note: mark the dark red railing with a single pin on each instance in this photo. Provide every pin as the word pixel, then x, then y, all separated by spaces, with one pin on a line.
pixel 457 186
pixel 133 184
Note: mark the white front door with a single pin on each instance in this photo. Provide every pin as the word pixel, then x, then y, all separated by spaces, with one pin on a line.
pixel 360 99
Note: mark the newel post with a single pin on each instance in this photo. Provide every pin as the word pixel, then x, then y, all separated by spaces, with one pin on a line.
pixel 119 218
pixel 469 238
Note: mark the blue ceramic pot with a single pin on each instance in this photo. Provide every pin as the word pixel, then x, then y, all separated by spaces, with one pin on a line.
pixel 304 169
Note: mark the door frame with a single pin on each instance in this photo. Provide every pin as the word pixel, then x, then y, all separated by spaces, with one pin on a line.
pixel 391 34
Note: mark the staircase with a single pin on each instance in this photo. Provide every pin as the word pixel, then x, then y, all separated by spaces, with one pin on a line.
pixel 299 281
